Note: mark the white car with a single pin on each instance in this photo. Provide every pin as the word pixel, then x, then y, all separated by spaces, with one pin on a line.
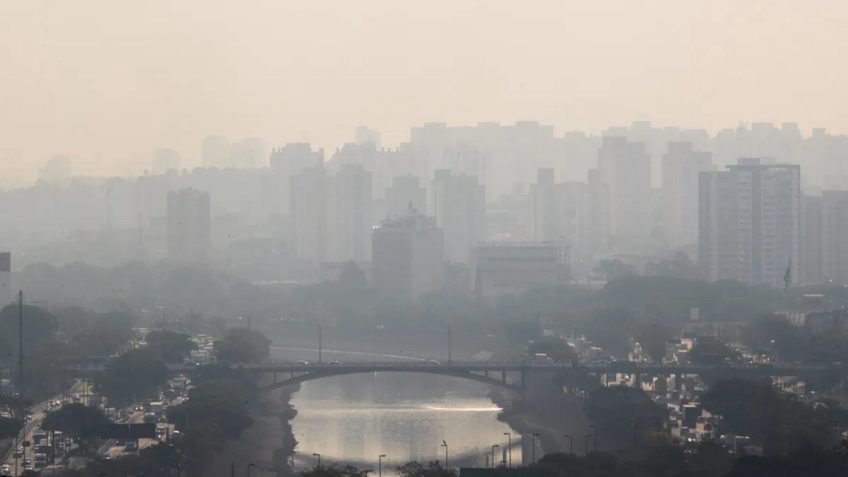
pixel 5 469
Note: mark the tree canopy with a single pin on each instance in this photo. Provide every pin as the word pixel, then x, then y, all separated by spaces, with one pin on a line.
pixel 241 345
pixel 172 347
pixel 135 375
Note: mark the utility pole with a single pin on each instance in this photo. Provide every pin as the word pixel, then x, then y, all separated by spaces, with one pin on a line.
pixel 319 345
pixel 450 345
pixel 21 346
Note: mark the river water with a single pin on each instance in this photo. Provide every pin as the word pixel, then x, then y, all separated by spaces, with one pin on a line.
pixel 355 418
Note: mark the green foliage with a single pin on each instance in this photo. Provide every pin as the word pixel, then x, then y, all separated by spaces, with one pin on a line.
pixel 616 409
pixel 40 328
pixel 9 427
pixel 100 334
pixel 170 346
pixel 73 419
pixel 709 350
pixel 653 338
pixel 614 268
pixel 135 375
pixel 241 345
pixel 758 410
pixel 334 471
pixel 431 469
pixel 556 349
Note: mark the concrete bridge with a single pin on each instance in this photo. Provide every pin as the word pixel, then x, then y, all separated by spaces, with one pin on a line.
pixel 516 375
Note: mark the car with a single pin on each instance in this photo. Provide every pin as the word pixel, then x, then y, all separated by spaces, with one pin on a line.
pixel 19 452
pixel 27 461
pixel 335 362
pixel 5 469
pixel 302 362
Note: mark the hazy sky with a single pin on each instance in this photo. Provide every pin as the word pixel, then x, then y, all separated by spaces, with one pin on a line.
pixel 108 81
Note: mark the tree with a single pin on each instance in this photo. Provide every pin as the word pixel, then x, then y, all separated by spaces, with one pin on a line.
pixel 709 350
pixel 618 409
pixel 653 338
pixel 431 469
pixel 74 419
pixel 556 349
pixel 241 345
pixel 612 269
pixel 135 375
pixel 334 471
pixel 9 427
pixel 39 328
pixel 172 347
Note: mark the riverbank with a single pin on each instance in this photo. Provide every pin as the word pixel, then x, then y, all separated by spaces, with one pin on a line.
pixel 552 419
pixel 268 443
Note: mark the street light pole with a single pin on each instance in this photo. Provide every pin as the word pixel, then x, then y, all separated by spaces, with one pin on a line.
pixel 594 437
pixel 586 442
pixel 450 345
pixel 445 445
pixel 319 458
pixel 494 446
pixel 570 444
pixel 250 466
pixel 509 447
pixel 535 434
pixel 380 465
pixel 320 346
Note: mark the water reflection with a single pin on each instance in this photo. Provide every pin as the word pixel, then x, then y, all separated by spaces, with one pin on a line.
pixel 406 416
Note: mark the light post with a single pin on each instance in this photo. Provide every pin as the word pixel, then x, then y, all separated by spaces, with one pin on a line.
pixel 250 466
pixel 319 458
pixel 509 447
pixel 494 446
pixel 570 444
pixel 380 465
pixel 445 445
pixel 586 442
pixel 594 437
pixel 533 460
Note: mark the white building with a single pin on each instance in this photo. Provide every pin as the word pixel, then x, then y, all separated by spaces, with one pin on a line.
pixel 680 168
pixel 408 258
pixel 513 268
pixel 625 169
pixel 750 223
pixel 459 205
pixel 189 230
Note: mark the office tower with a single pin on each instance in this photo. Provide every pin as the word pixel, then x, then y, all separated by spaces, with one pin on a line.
pixel 750 223
pixel 599 215
pixel 460 209
pixel 405 197
pixel 513 268
pixel 545 210
pixel 349 215
pixel 408 258
pixel 165 160
pixel 249 152
pixel 5 278
pixel 288 161
pixel 625 169
pixel 189 237
pixel 680 168
pixel 309 214
pixel 824 229
pixel 215 151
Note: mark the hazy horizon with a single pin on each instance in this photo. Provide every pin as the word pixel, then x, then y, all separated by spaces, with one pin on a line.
pixel 166 74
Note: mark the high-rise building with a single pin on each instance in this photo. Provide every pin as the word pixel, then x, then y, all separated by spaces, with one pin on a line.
pixel 625 169
pixel 750 223
pixel 680 168
pixel 189 218
pixel 408 258
pixel 309 214
pixel 405 196
pixel 459 205
pixel 286 162
pixel 165 160
pixel 513 268
pixel 349 215
pixel 215 151
pixel 5 278
pixel 824 232
pixel 545 209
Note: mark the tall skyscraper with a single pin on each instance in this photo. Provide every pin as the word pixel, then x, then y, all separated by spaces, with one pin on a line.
pixel 750 223
pixel 5 278
pixel 545 209
pixel 309 214
pixel 459 205
pixel 189 231
pixel 409 258
pixel 349 215
pixel 404 197
pixel 680 168
pixel 824 232
pixel 286 162
pixel 625 169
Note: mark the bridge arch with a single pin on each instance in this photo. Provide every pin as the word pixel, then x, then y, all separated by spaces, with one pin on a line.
pixel 328 372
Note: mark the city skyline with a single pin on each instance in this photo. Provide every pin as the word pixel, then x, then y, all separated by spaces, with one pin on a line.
pixel 108 84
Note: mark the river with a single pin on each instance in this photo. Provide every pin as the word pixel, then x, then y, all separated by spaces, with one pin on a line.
pixel 355 418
